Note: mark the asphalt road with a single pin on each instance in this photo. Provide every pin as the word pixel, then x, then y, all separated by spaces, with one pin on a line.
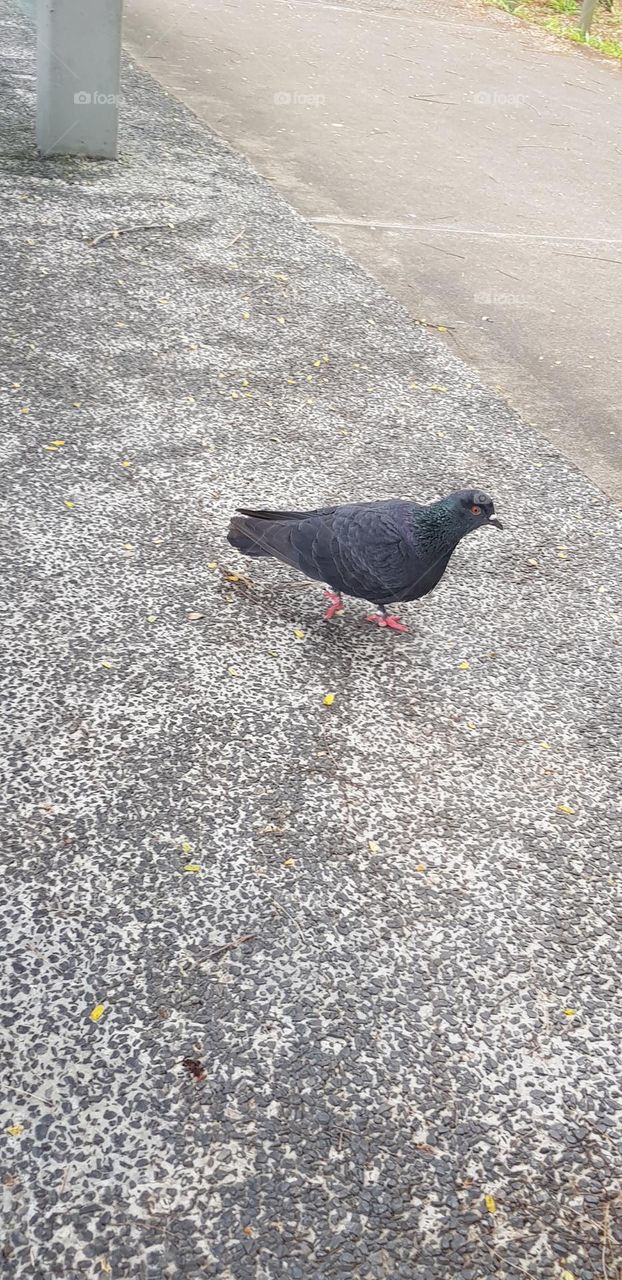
pixel 471 163
pixel 289 990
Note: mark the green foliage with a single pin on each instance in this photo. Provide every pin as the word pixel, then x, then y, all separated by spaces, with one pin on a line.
pixel 557 27
pixel 613 48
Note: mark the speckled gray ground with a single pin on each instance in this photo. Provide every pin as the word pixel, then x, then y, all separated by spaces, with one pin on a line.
pixel 423 1013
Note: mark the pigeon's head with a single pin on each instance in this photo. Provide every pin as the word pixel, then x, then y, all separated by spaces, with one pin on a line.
pixel 472 508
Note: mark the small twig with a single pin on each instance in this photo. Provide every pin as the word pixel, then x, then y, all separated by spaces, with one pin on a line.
pixel 446 252
pixel 64 1178
pixel 514 1264
pixel 438 102
pixel 124 231
pixel 605 1239
pixel 234 578
pixel 427 324
pixel 231 946
pixel 235 239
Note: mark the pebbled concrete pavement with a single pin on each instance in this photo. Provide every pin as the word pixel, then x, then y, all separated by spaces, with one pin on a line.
pixel 395 964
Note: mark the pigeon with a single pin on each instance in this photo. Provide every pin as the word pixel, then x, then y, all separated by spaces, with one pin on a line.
pixel 382 552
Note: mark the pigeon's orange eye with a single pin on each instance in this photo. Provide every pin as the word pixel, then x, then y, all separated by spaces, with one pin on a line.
pixel 476 510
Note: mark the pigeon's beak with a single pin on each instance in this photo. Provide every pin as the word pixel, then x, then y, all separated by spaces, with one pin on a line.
pixel 496 521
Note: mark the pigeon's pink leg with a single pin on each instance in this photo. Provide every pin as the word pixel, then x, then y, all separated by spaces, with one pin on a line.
pixel 336 603
pixel 386 620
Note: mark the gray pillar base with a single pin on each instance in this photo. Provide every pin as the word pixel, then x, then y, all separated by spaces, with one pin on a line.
pixel 78 69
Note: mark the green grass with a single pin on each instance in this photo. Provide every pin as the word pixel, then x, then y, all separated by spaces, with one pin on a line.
pixel 550 15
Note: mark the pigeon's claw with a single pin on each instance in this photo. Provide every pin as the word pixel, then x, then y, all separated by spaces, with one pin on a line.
pixel 386 620
pixel 336 605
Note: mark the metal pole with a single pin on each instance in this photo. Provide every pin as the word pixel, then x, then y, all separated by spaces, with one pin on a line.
pixel 78 71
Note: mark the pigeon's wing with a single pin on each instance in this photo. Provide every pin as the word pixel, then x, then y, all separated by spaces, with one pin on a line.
pixel 369 549
pixel 359 550
pixel 262 514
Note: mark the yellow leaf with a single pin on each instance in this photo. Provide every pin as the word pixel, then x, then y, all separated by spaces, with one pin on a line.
pixel 289 862
pixel 76 404
pixel 105 1266
pixel 232 577
pixel 152 617
pixel 192 866
pixel 317 364
pixel 490 1203
pixel 15 1130
pixel 420 866
pixel 292 381
pixel 234 395
pixel 233 671
pixel 57 444
pixel 107 663
pixel 300 635
pixel 279 276
pixel 568 1275
pixel 212 564
pixel 565 808
pixel 69 503
pixel 442 328
pixel 546 746
pixel 274 653
pixel 126 463
pixel 570 1013
pixel 246 315
pixel 464 665
pixel 562 555
pixel 281 319
pixel 97 1012
pixel 373 846
pixel 533 563
pixel 186 846
pixel 413 385
pixel 25 409
pixel 329 698
pixel 435 387
pixel 128 546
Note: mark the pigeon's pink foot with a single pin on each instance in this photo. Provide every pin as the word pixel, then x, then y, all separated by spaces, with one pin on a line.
pixel 336 605
pixel 386 620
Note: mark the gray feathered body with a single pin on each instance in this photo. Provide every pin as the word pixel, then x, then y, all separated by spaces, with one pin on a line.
pixel 383 552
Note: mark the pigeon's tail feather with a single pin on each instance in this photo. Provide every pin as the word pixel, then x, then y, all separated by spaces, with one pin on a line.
pixel 272 515
pixel 243 537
